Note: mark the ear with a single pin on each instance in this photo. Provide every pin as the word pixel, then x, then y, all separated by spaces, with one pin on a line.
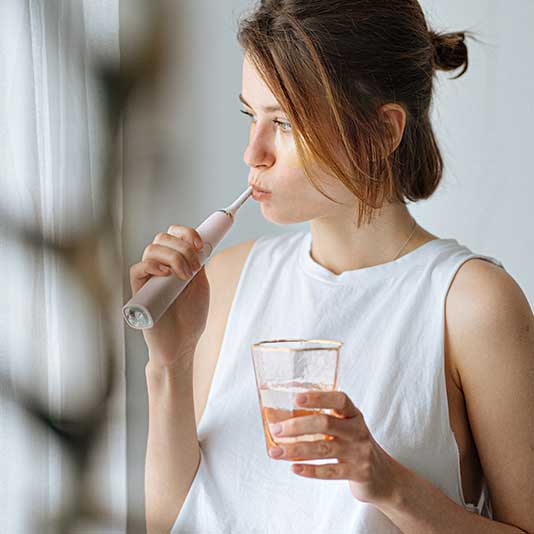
pixel 395 116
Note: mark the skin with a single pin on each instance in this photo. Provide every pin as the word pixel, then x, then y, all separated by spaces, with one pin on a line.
pixel 489 341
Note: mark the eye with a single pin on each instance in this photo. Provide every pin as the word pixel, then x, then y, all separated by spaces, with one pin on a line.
pixel 247 113
pixel 285 126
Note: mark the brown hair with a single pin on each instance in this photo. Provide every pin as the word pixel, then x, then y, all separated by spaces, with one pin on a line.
pixel 332 64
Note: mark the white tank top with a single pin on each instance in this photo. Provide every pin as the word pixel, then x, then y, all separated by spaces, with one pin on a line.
pixel 390 318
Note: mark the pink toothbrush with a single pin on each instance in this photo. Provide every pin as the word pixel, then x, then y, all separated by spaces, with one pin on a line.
pixel 146 307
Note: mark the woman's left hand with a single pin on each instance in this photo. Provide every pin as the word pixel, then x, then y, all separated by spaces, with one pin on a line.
pixel 368 468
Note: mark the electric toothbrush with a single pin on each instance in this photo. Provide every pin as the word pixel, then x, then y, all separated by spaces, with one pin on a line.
pixel 147 306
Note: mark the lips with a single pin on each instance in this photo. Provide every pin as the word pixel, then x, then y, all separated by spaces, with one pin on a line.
pixel 258 189
pixel 260 195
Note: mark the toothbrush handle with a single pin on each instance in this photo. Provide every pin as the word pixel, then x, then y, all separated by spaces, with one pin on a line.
pixel 147 306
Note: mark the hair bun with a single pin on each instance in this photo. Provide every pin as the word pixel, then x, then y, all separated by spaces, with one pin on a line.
pixel 450 51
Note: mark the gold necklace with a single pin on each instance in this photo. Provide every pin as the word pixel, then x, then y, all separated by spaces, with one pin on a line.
pixel 407 241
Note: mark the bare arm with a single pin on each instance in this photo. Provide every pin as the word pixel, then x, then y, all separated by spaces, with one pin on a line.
pixel 492 344
pixel 173 451
pixel 177 399
pixel 173 455
pixel 491 338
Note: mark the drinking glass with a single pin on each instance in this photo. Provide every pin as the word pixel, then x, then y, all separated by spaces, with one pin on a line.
pixel 285 367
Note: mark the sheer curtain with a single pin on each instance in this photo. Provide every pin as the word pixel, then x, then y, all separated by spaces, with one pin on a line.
pixel 52 140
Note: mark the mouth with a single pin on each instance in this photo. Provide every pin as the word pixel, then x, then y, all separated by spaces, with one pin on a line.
pixel 257 189
pixel 260 194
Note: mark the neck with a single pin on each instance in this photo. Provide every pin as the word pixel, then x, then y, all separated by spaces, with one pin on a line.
pixel 338 245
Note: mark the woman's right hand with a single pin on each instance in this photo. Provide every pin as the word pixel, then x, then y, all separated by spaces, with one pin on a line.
pixel 173 339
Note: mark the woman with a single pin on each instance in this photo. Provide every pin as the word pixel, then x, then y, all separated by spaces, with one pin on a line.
pixel 432 424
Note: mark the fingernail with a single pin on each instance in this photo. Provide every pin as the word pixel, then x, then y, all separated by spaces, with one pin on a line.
pixel 276 451
pixel 163 268
pixel 302 399
pixel 277 428
pixel 198 244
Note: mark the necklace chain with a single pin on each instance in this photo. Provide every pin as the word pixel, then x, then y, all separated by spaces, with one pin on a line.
pixel 407 241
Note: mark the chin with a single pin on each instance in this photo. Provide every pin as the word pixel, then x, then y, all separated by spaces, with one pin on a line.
pixel 282 218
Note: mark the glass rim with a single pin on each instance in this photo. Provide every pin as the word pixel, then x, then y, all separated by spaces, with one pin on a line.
pixel 264 345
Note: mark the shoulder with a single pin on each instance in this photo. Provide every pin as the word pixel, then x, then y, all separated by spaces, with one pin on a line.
pixel 489 341
pixel 485 307
pixel 234 253
pixel 232 259
pixel 226 266
pixel 484 299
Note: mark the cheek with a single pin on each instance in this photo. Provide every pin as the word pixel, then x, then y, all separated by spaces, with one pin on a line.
pixel 287 151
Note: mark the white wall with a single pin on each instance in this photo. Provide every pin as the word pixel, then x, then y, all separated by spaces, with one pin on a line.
pixel 484 123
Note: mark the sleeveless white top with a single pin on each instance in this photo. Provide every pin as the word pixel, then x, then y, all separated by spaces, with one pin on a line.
pixel 390 318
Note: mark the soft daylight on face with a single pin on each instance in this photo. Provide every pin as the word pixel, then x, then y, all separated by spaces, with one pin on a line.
pixel 275 165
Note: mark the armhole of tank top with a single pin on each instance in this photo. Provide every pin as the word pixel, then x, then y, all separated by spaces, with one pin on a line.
pixel 244 271
pixel 483 501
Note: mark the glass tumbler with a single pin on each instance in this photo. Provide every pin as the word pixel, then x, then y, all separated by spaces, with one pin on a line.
pixel 287 367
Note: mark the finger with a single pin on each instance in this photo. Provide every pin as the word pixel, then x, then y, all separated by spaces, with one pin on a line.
pixel 182 246
pixel 319 423
pixel 336 400
pixel 308 450
pixel 339 471
pixel 171 257
pixel 148 268
pixel 187 233
pixel 145 269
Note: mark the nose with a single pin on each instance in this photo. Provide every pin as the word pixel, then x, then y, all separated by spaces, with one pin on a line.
pixel 259 151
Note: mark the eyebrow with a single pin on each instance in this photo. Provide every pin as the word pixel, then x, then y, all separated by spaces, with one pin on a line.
pixel 267 109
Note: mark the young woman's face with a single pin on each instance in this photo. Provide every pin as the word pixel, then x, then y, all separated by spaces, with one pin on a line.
pixel 274 163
